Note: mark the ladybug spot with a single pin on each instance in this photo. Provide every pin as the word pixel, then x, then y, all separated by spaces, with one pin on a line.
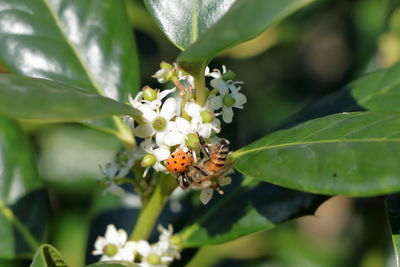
pixel 175 161
pixel 182 164
pixel 173 156
pixel 183 157
pixel 175 169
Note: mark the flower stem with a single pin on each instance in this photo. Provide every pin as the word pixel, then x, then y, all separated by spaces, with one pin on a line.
pixel 200 86
pixel 150 212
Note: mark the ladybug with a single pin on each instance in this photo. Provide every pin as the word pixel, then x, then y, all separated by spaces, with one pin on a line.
pixel 179 161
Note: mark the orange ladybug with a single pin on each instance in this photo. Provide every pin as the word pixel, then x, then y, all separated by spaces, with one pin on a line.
pixel 179 161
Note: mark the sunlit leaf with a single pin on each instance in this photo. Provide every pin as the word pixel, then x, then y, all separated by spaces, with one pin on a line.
pixel 252 207
pixel 354 154
pixel 243 21
pixel 31 98
pixel 48 256
pixel 87 44
pixel 23 201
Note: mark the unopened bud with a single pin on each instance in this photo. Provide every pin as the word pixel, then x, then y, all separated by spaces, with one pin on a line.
pixel 193 141
pixel 153 259
pixel 228 101
pixel 229 75
pixel 207 116
pixel 149 93
pixel 165 65
pixel 159 124
pixel 148 160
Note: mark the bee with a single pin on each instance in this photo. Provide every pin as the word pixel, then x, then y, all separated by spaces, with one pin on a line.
pixel 205 173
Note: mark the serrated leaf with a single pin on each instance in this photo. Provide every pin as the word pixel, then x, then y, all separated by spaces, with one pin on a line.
pixel 23 201
pixel 87 44
pixel 38 99
pixel 393 214
pixel 48 256
pixel 354 154
pixel 252 207
pixel 243 21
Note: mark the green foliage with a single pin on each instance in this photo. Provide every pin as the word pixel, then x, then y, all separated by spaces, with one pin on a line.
pixel 21 96
pixel 252 207
pixel 393 214
pixel 48 256
pixel 352 154
pixel 23 200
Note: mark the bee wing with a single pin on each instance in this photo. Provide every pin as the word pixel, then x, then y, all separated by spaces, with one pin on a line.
pixel 222 172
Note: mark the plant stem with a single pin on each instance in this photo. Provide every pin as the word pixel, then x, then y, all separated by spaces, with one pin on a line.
pixel 150 212
pixel 200 86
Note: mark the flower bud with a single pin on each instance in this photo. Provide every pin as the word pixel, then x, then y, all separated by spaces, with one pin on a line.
pixel 159 124
pixel 149 93
pixel 148 160
pixel 228 101
pixel 229 75
pixel 110 250
pixel 177 241
pixel 193 141
pixel 165 65
pixel 207 116
pixel 153 259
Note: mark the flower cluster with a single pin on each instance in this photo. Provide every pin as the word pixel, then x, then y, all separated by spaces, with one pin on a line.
pixel 114 246
pixel 173 120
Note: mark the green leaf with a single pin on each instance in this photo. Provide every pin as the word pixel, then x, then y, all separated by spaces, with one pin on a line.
pixel 48 256
pixel 242 22
pixel 184 21
pixel 87 44
pixel 113 264
pixel 354 154
pixel 252 207
pixel 393 214
pixel 23 201
pixel 30 98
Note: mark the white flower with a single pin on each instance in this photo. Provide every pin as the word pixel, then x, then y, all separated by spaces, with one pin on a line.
pixel 155 157
pixel 152 255
pixel 216 73
pixel 113 245
pixel 137 101
pixel 226 100
pixel 166 243
pixel 118 168
pixel 207 193
pixel 203 119
pixel 156 122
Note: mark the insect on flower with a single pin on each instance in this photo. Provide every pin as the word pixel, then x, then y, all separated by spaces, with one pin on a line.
pixel 205 173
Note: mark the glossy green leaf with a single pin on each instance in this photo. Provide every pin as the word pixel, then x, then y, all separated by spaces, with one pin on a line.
pixel 376 91
pixel 354 154
pixel 48 256
pixel 184 21
pixel 23 201
pixel 243 21
pixel 31 98
pixel 87 44
pixel 393 214
pixel 113 264
pixel 252 207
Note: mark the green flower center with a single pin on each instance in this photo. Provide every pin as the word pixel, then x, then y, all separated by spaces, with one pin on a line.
pixel 148 160
pixel 153 259
pixel 159 124
pixel 193 141
pixel 110 250
pixel 149 94
pixel 207 116
pixel 228 101
pixel 229 75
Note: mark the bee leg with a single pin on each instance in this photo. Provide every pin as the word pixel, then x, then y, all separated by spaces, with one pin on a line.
pixel 218 189
pixel 205 147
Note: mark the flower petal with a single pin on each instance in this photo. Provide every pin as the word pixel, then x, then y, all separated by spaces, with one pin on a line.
pixel 205 130
pixel 174 138
pixel 240 100
pixel 161 153
pixel 159 167
pixel 144 131
pixel 227 114
pixel 143 248
pixel 148 113
pixel 183 125
pixel 168 108
pixel 122 237
pixel 206 195
pixel 225 180
pixel 216 102
pixel 221 85
pixel 164 93
pixel 192 108
pixel 111 234
pixel 100 243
